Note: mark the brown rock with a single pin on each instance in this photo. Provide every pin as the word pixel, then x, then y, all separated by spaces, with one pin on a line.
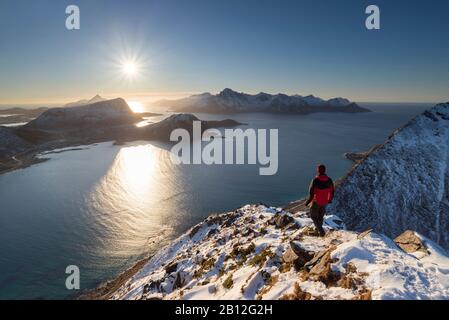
pixel 409 242
pixel 171 267
pixel 194 230
pixel 318 256
pixel 365 294
pixel 346 282
pixel 297 294
pixel 296 255
pixel 364 234
pixel 309 231
pixel 322 271
pixel 281 220
pixel 214 219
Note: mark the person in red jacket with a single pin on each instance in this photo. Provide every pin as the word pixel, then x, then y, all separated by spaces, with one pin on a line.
pixel 321 193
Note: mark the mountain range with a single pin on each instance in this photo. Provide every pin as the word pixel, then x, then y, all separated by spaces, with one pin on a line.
pixel 230 101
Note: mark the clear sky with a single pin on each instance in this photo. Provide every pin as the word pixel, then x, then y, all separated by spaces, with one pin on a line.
pixel 186 46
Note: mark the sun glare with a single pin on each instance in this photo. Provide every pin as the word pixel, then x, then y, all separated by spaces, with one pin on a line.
pixel 136 106
pixel 130 69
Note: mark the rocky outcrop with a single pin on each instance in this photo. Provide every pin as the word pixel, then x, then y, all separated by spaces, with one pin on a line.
pixel 252 258
pixel 358 157
pixel 410 242
pixel 402 184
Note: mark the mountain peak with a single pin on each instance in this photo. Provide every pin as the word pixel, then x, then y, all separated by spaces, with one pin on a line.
pixel 83 102
pixel 97 98
pixel 227 92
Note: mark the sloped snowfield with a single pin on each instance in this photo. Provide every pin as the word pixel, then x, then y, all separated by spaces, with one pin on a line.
pixel 404 184
pixel 257 252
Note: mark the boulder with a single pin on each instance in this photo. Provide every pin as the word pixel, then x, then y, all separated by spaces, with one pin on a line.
pixel 281 220
pixel 317 257
pixel 322 271
pixel 410 242
pixel 296 255
pixel 171 267
pixel 309 231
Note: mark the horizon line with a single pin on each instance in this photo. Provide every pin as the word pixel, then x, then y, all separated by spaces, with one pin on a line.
pixel 149 97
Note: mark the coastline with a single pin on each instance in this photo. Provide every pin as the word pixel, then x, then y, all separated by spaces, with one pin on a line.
pixel 105 290
pixel 19 162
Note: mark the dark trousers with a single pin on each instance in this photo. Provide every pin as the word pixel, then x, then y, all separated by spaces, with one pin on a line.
pixel 317 213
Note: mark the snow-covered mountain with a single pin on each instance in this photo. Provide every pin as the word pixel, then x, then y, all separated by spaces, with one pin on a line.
pixel 85 102
pixel 259 252
pixel 229 101
pixel 403 183
pixel 103 113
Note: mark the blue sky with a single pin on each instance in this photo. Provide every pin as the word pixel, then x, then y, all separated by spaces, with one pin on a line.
pixel 305 47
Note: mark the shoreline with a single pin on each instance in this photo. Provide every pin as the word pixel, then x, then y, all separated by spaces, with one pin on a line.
pixel 105 290
pixel 20 162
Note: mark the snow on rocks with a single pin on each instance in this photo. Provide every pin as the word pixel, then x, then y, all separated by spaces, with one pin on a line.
pixel 258 252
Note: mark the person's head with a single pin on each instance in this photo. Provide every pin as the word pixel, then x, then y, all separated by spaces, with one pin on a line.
pixel 321 169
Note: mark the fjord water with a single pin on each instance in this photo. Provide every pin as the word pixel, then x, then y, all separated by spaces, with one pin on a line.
pixel 103 207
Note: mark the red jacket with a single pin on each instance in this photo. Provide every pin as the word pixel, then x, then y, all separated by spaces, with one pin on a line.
pixel 321 190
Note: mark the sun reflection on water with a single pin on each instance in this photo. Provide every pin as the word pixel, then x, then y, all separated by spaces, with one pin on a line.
pixel 128 203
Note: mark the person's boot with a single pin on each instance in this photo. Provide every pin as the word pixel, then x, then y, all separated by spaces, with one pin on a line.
pixel 321 231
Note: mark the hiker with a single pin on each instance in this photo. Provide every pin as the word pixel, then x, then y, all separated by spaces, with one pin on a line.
pixel 321 193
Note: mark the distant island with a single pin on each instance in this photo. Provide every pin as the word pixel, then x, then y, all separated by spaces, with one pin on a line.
pixel 15 115
pixel 230 101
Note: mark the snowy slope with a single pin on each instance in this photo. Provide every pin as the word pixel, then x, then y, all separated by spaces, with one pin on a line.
pixel 228 101
pixel 103 113
pixel 404 183
pixel 257 252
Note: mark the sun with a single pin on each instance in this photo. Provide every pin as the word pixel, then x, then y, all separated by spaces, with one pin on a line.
pixel 129 68
pixel 136 106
